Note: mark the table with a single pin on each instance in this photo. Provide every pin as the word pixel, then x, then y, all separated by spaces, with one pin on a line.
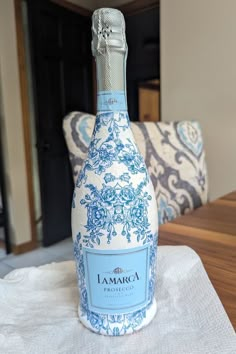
pixel 211 231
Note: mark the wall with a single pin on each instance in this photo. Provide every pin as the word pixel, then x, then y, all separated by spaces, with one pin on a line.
pixel 198 76
pixel 11 120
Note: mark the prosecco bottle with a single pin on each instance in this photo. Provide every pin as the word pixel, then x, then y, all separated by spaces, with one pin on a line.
pixel 114 211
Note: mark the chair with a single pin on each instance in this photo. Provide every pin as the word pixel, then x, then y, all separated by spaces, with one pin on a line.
pixel 173 152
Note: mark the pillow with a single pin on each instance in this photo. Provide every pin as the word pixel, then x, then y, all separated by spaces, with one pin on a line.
pixel 173 153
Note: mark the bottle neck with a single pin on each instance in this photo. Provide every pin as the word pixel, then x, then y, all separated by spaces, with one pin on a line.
pixel 111 81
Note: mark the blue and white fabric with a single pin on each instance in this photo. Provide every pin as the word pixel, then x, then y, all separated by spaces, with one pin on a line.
pixel 173 152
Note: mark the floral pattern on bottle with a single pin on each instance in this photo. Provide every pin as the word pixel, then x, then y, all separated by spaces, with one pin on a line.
pixel 102 153
pixel 116 201
pixel 110 206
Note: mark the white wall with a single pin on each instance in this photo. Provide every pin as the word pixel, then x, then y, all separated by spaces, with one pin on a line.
pixel 198 78
pixel 11 120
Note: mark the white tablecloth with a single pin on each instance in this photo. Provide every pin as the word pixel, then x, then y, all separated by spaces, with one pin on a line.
pixel 38 312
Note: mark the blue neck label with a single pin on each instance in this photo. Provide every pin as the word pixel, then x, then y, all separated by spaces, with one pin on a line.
pixel 111 101
pixel 117 280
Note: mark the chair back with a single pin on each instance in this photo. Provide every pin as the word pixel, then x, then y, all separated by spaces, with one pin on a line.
pixel 173 153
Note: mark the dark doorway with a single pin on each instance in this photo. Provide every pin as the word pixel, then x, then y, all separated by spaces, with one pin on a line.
pixel 143 64
pixel 62 76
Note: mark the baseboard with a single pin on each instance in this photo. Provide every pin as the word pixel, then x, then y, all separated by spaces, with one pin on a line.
pixel 24 247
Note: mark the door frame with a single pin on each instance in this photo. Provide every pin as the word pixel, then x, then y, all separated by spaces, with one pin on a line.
pixel 134 7
pixel 73 7
pixel 21 53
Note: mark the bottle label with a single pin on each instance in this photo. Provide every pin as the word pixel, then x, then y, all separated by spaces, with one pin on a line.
pixel 117 280
pixel 111 101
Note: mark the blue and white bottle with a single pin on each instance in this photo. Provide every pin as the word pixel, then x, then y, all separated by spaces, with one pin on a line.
pixel 114 213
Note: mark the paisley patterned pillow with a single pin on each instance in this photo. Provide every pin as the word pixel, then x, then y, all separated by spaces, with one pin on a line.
pixel 173 153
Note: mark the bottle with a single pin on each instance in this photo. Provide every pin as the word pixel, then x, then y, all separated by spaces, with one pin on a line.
pixel 114 211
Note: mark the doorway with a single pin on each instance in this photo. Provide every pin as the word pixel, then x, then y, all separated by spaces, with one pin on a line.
pixel 61 65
